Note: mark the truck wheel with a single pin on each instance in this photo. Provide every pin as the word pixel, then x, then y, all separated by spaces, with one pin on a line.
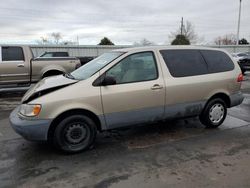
pixel 214 113
pixel 75 133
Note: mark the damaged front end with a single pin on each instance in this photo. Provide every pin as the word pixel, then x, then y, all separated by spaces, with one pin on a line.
pixel 47 85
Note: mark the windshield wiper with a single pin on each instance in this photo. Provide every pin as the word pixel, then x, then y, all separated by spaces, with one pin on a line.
pixel 68 75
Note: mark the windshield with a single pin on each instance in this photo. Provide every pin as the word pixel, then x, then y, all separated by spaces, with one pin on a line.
pixel 95 65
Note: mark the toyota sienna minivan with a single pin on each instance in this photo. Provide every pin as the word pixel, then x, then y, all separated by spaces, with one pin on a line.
pixel 129 87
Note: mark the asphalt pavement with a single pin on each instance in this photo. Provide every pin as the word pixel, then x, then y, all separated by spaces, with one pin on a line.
pixel 179 153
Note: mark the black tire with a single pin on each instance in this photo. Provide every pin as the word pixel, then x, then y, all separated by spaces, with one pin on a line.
pixel 74 134
pixel 209 112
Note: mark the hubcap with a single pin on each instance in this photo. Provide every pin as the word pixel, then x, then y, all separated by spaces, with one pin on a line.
pixel 75 133
pixel 216 113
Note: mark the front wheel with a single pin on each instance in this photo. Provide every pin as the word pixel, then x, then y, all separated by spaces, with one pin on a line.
pixel 214 113
pixel 75 133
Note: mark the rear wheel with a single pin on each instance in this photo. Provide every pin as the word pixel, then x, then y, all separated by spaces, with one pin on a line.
pixel 214 113
pixel 75 133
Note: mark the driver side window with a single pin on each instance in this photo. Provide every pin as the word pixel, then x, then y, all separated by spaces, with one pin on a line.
pixel 135 68
pixel 12 53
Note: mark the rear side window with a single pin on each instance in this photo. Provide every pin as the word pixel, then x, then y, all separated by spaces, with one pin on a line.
pixel 12 54
pixel 61 54
pixel 217 61
pixel 47 55
pixel 182 63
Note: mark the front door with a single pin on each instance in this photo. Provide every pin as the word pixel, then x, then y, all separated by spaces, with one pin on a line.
pixel 139 93
pixel 13 69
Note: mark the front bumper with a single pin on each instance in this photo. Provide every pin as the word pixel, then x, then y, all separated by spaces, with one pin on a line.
pixel 33 130
pixel 236 99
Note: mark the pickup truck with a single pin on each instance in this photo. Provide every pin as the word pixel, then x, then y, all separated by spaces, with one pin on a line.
pixel 18 67
pixel 83 59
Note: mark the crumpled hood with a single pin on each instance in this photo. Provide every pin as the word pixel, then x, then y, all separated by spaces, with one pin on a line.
pixel 47 85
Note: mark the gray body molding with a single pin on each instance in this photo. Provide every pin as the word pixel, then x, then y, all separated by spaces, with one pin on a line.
pixel 236 99
pixel 33 130
pixel 150 115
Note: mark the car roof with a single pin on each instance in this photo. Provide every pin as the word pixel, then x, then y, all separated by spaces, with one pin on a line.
pixel 174 47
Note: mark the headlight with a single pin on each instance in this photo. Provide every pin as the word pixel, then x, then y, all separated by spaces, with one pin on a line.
pixel 30 110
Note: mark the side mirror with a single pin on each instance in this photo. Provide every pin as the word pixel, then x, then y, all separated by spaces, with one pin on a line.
pixel 108 80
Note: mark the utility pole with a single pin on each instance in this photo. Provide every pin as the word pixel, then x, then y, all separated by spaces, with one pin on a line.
pixel 182 26
pixel 78 47
pixel 238 30
pixel 77 40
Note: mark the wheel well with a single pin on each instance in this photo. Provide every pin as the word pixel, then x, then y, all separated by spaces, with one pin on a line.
pixel 222 96
pixel 51 73
pixel 73 112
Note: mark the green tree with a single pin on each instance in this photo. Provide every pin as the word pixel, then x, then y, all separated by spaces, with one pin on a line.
pixel 243 41
pixel 180 40
pixel 106 41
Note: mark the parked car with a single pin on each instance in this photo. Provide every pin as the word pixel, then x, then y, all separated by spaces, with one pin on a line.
pixel 83 59
pixel 240 55
pixel 243 60
pixel 129 87
pixel 18 67
pixel 245 64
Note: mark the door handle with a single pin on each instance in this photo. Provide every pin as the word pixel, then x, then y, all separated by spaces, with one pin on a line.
pixel 156 86
pixel 20 65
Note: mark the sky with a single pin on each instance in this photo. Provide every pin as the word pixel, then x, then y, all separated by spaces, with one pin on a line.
pixel 123 21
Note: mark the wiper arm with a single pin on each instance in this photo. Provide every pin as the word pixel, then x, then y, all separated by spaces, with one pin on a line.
pixel 68 75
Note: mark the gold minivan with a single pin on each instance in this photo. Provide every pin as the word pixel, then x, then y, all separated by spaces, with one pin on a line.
pixel 129 87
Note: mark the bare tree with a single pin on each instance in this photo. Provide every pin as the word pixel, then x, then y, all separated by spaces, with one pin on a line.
pixel 187 30
pixel 189 33
pixel 43 40
pixel 144 42
pixel 56 37
pixel 229 39
pixel 68 42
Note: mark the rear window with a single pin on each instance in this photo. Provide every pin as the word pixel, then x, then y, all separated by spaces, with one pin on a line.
pixel 61 54
pixel 217 61
pixel 182 63
pixel 12 54
pixel 55 54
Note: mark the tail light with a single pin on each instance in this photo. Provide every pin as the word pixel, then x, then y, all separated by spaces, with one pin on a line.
pixel 240 78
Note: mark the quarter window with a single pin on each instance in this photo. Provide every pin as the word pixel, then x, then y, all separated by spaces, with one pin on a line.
pixel 182 63
pixel 217 61
pixel 135 68
pixel 12 54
